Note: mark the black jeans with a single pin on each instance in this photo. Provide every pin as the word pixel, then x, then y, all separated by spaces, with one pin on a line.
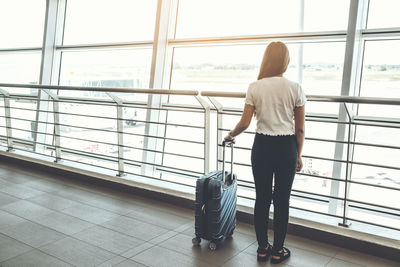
pixel 273 156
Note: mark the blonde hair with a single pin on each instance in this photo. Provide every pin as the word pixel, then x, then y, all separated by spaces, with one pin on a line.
pixel 275 61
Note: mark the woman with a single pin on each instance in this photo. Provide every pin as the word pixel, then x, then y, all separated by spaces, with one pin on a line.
pixel 277 147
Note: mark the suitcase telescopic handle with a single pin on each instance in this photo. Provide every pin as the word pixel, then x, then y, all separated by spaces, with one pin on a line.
pixel 224 144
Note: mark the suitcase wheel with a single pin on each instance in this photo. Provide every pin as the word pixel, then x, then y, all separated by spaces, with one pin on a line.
pixel 212 245
pixel 196 241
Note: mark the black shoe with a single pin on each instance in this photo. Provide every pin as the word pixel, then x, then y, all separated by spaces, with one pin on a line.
pixel 281 255
pixel 263 254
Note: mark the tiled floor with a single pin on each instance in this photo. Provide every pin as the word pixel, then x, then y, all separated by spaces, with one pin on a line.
pixel 52 221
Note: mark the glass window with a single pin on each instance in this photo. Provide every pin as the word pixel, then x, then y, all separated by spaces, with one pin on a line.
pixel 322 67
pixel 325 15
pixel 210 18
pixel 234 67
pixel 383 14
pixel 218 68
pixel 381 77
pixel 20 68
pixel 258 17
pixel 116 68
pixel 22 23
pixel 104 21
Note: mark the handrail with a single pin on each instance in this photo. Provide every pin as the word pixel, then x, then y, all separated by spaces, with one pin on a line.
pixel 223 94
pixel 104 89
pixel 337 99
pixel 324 98
pixel 355 99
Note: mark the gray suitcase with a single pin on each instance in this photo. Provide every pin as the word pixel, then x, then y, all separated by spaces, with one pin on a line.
pixel 215 205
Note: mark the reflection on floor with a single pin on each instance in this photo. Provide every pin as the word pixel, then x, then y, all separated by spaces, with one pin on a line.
pixel 52 221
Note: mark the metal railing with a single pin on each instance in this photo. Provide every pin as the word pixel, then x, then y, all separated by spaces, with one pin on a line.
pixel 101 132
pixel 347 123
pixel 72 134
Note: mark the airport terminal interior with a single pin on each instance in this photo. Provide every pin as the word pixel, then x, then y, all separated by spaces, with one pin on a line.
pixel 111 110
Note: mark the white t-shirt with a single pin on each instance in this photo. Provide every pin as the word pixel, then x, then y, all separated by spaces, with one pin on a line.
pixel 275 99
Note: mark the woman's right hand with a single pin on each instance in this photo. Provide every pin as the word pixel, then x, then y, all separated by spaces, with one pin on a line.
pixel 299 163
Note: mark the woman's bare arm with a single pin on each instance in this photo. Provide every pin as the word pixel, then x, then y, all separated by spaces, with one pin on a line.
pixel 299 121
pixel 244 122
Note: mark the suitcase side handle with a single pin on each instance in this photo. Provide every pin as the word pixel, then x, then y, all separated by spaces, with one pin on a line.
pixel 224 144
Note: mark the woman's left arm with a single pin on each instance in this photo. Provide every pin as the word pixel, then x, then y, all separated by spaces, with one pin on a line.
pixel 243 124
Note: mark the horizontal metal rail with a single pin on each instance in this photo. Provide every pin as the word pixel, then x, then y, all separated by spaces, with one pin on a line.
pixel 357 120
pixel 104 89
pixel 341 161
pixel 317 98
pixel 109 131
pixel 108 118
pixel 163 108
pixel 294 37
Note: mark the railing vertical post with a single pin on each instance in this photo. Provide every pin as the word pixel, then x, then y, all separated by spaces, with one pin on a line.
pixel 218 106
pixel 57 136
pixel 56 113
pixel 7 114
pixel 120 134
pixel 344 222
pixel 207 130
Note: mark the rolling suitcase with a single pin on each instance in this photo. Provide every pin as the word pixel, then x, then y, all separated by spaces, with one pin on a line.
pixel 215 205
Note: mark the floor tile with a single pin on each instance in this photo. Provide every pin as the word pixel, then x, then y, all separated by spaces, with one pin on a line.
pixel 173 209
pixel 7 199
pixel 46 185
pixel 165 206
pixel 299 257
pixel 160 257
pixel 16 177
pixel 9 248
pixel 227 249
pixel 112 262
pixel 156 217
pixel 63 223
pixel 245 228
pixel 34 258
pixel 20 191
pixel 185 227
pixel 32 234
pixel 76 194
pixel 5 183
pixel 341 263
pixel 129 263
pixel 189 231
pixel 52 201
pixel 89 213
pixel 311 245
pixel 26 209
pixel 248 260
pixel 134 228
pixel 7 219
pixel 23 171
pixel 136 250
pixel 108 239
pixel 162 238
pixel 77 253
pixel 118 206
pixel 363 259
